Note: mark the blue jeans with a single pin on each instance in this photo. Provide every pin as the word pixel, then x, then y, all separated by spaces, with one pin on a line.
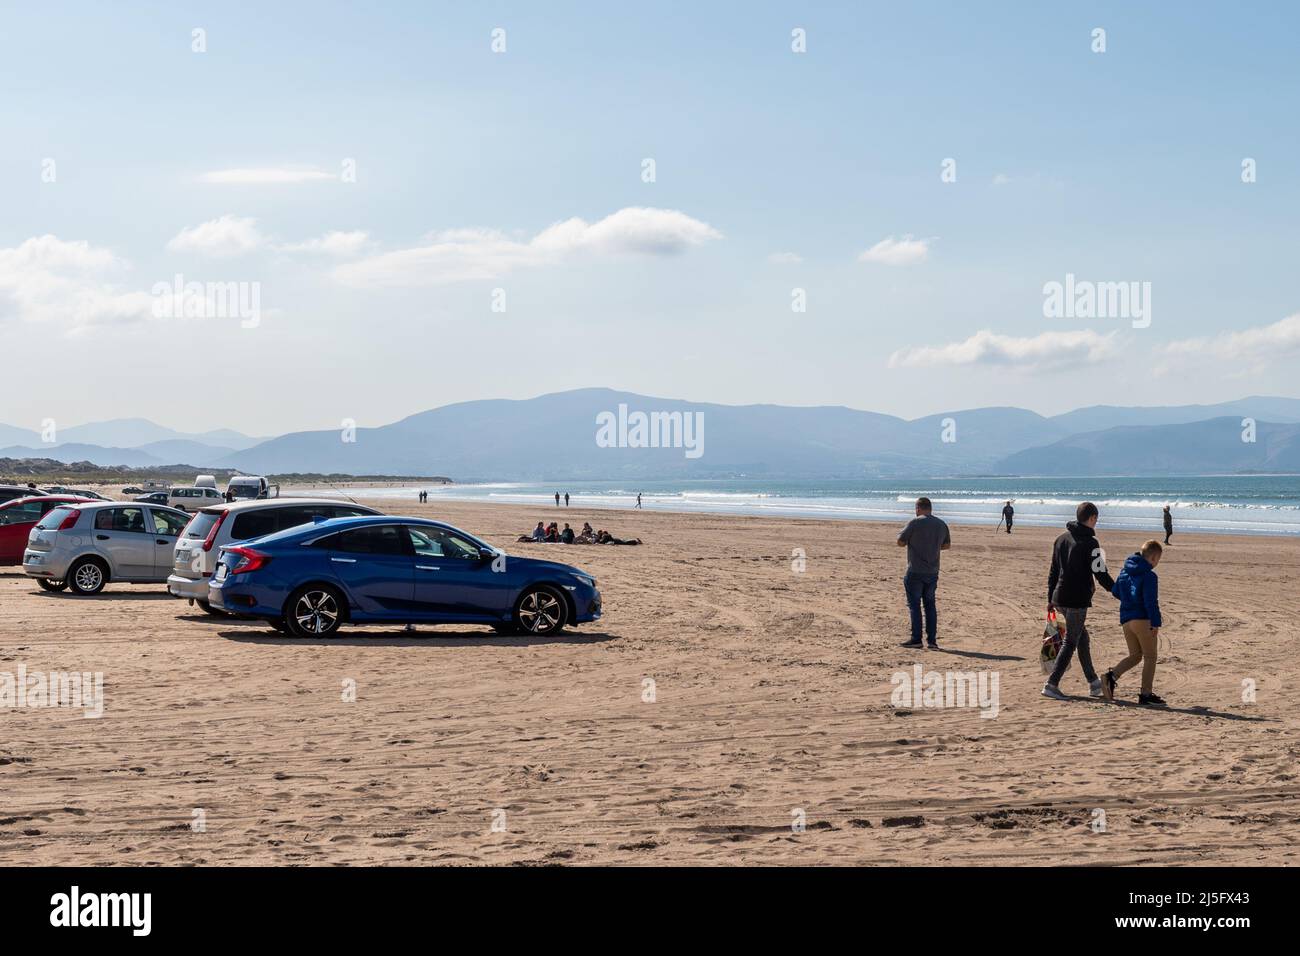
pixel 920 590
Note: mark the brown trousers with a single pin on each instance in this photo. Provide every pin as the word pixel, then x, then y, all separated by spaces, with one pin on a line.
pixel 1141 649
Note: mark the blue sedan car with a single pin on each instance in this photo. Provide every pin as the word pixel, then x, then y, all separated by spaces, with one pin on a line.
pixel 381 569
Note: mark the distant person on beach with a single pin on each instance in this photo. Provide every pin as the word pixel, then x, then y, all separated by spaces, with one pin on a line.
pixel 1138 590
pixel 1008 513
pixel 1077 560
pixel 1169 524
pixel 924 537
pixel 638 499
pixel 566 499
pixel 567 534
pixel 539 533
pixel 557 499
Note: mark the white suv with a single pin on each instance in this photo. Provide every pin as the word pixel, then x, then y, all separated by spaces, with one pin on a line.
pixel 214 527
pixel 193 499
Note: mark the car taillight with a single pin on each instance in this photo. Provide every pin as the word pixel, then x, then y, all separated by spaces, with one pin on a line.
pixel 70 520
pixel 212 535
pixel 249 560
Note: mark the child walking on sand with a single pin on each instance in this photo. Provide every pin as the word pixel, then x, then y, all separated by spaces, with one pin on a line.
pixel 1138 590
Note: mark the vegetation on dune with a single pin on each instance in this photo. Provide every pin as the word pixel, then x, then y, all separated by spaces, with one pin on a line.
pixel 47 471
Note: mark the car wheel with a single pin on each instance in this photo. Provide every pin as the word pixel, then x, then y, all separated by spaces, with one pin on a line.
pixel 315 610
pixel 51 585
pixel 207 606
pixel 87 576
pixel 541 610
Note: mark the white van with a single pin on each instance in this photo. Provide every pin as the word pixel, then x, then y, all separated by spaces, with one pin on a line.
pixel 245 487
pixel 206 481
pixel 193 499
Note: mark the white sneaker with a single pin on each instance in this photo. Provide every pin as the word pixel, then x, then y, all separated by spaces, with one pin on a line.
pixel 1094 688
pixel 1054 692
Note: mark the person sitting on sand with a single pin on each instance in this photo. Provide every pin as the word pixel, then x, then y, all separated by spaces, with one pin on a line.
pixel 566 536
pixel 586 536
pixel 604 537
pixel 1138 590
pixel 552 533
pixel 539 533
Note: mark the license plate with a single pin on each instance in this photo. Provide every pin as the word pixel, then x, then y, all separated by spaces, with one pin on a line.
pixel 221 573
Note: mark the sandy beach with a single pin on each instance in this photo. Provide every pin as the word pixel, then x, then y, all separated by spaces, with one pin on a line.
pixel 771 705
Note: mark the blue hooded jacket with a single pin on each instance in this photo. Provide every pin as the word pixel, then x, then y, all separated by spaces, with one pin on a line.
pixel 1138 590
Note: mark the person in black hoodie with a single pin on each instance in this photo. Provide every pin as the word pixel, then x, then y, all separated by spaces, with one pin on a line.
pixel 1077 560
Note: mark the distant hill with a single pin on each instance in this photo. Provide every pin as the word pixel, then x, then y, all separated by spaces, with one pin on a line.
pixel 1195 448
pixel 74 452
pixel 554 437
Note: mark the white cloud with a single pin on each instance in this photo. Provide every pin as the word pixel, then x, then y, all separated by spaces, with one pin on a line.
pixel 1260 342
pixel 71 284
pixel 785 259
pixel 464 254
pixel 898 252
pixel 989 348
pixel 332 244
pixel 227 236
pixel 1001 179
pixel 267 175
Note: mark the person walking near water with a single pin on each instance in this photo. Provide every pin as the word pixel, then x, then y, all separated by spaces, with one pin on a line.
pixel 638 499
pixel 566 499
pixel 1008 513
pixel 1077 559
pixel 1169 524
pixel 924 537
pixel 557 499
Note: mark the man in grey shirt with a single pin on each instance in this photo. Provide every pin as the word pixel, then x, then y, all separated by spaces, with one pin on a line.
pixel 924 537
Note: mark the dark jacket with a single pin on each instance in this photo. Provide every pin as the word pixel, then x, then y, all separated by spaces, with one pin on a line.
pixel 1138 590
pixel 1069 583
pixel 1169 521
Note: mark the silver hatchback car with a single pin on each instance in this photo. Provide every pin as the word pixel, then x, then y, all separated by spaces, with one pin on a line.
pixel 83 546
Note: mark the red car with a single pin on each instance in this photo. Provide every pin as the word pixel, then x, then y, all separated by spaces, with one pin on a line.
pixel 16 520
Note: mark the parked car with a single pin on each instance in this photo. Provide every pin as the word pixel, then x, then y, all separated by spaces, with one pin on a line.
pixel 133 490
pixel 85 546
pixel 78 492
pixel 192 499
pixel 215 527
pixel 205 481
pixel 393 570
pixel 10 492
pixel 18 516
pixel 153 498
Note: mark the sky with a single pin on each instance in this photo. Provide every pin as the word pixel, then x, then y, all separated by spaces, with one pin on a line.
pixel 815 203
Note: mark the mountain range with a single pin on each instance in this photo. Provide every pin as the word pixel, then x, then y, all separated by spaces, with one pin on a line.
pixel 555 437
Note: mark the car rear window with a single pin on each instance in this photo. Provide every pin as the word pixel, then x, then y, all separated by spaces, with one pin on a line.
pixel 54 518
pixel 201 524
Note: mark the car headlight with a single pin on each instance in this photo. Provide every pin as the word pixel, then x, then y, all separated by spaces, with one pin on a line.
pixel 589 581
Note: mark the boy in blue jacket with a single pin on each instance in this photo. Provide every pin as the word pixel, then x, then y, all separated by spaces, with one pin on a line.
pixel 1138 590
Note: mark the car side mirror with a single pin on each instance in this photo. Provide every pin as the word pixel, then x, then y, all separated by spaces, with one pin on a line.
pixel 486 554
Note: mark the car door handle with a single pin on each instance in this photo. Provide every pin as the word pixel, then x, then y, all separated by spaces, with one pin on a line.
pixel 344 560
pixel 101 537
pixel 427 567
pixel 161 541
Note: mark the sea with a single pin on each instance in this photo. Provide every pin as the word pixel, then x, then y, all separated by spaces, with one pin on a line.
pixel 1218 504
